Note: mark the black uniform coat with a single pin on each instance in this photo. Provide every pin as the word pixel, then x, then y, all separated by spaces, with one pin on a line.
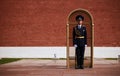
pixel 78 32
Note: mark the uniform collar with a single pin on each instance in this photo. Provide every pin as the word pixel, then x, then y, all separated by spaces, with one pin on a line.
pixel 79 26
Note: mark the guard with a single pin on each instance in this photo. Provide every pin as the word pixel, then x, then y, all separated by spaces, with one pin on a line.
pixel 79 41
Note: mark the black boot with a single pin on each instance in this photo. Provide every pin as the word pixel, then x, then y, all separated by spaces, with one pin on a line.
pixel 79 67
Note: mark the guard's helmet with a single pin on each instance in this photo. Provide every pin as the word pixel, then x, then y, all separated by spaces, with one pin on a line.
pixel 79 18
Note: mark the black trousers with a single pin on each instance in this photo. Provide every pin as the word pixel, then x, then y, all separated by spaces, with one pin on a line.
pixel 80 55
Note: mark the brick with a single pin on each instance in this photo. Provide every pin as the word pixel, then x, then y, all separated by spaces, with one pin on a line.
pixel 43 22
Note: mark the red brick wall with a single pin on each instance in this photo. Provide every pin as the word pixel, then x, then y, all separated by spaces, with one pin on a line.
pixel 43 22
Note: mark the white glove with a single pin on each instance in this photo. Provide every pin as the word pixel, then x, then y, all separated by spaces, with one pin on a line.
pixel 86 45
pixel 75 45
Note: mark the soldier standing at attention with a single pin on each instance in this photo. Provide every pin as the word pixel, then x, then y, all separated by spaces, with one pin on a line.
pixel 79 41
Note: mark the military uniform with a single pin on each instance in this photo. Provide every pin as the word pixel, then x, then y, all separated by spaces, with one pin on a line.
pixel 79 39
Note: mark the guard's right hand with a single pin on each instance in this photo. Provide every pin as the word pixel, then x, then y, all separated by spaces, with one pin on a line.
pixel 75 45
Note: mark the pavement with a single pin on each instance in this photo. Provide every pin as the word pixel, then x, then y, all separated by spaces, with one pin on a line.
pixel 37 67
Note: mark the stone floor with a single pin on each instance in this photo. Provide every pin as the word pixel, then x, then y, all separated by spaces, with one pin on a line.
pixel 37 67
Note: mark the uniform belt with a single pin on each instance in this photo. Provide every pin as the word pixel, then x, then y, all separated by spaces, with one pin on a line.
pixel 80 37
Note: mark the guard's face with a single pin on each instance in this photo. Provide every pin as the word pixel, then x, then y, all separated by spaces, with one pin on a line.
pixel 80 22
